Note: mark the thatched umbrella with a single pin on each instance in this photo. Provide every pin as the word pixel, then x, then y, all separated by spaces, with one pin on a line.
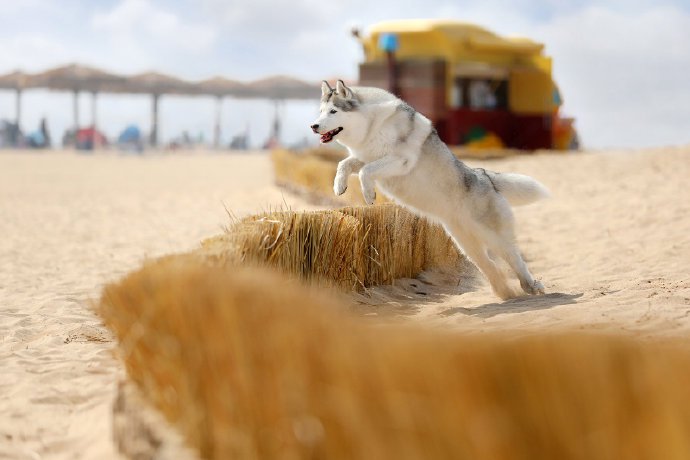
pixel 279 88
pixel 157 84
pixel 219 87
pixel 17 81
pixel 283 87
pixel 76 78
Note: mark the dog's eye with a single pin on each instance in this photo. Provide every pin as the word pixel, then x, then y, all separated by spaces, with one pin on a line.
pixel 334 111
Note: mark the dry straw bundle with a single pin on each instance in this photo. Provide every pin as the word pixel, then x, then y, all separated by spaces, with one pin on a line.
pixel 352 248
pixel 307 173
pixel 311 173
pixel 248 365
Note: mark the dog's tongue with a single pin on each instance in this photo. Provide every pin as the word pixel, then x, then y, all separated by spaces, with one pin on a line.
pixel 328 136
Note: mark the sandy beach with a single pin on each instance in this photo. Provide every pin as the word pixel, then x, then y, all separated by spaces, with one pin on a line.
pixel 612 247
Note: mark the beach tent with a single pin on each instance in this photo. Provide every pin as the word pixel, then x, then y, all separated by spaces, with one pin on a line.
pixel 89 138
pixel 131 134
pixel 130 139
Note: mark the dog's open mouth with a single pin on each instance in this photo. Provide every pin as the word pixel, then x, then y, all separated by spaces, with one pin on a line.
pixel 328 137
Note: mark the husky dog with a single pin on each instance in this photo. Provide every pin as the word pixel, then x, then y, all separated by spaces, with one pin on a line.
pixel 397 148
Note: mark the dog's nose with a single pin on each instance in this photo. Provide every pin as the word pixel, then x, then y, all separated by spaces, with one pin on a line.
pixel 315 128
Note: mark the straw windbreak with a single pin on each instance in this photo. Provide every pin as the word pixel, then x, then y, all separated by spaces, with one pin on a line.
pixel 247 364
pixel 351 248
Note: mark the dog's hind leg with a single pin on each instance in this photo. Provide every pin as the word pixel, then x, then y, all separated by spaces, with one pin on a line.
pixel 496 229
pixel 476 251
pixel 500 239
pixel 509 252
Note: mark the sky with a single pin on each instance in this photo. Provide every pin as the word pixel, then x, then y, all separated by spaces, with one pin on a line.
pixel 623 67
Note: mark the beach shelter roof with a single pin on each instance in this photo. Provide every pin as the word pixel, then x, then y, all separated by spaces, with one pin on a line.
pixel 221 86
pixel 77 77
pixel 158 83
pixel 283 87
pixel 15 80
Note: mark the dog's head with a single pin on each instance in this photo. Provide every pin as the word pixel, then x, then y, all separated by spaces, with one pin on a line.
pixel 337 106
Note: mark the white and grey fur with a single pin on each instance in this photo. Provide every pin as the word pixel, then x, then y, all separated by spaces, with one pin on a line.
pixel 397 148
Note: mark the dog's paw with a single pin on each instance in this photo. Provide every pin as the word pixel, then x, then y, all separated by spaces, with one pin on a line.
pixel 339 186
pixel 369 195
pixel 536 288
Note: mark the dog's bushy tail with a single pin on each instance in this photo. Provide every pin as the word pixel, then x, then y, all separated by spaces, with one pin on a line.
pixel 519 189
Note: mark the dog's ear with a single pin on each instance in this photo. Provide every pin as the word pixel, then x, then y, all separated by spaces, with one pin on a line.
pixel 343 90
pixel 325 89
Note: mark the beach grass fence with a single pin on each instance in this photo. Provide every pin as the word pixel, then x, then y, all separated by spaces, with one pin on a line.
pixel 279 252
pixel 247 363
pixel 352 247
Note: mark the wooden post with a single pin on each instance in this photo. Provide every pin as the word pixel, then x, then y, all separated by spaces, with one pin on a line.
pixel 154 121
pixel 94 121
pixel 216 128
pixel 94 110
pixel 75 109
pixel 275 137
pixel 18 108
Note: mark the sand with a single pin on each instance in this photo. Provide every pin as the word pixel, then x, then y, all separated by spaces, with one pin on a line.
pixel 612 247
pixel 69 223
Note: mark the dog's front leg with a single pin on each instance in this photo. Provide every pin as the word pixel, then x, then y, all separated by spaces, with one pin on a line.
pixel 387 166
pixel 346 167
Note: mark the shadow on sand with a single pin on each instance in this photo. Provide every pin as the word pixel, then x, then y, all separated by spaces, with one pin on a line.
pixel 518 305
pixel 407 297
